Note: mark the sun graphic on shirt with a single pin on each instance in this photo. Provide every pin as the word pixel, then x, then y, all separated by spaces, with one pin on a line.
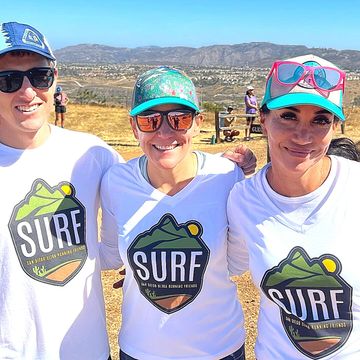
pixel 330 265
pixel 193 228
pixel 66 189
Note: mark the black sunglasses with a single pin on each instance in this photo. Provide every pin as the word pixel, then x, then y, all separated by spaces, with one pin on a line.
pixel 39 77
pixel 179 120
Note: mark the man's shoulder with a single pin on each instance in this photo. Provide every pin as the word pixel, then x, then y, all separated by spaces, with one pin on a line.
pixel 78 142
pixel 123 172
pixel 78 138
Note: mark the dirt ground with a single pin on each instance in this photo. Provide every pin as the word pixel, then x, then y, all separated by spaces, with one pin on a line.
pixel 112 125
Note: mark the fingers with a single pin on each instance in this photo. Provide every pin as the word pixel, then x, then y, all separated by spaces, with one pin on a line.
pixel 250 162
pixel 250 167
pixel 244 157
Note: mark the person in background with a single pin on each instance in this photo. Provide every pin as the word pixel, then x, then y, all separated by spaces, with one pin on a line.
pixel 251 107
pixel 60 102
pixel 344 147
pixel 302 228
pixel 178 299
pixel 51 303
pixel 228 122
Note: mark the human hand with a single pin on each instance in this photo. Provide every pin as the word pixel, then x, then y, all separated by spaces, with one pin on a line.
pixel 119 284
pixel 244 157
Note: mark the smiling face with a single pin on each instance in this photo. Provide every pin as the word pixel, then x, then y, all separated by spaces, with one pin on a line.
pixel 167 149
pixel 298 138
pixel 24 113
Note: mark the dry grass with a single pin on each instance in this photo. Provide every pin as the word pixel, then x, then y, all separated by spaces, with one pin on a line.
pixel 111 124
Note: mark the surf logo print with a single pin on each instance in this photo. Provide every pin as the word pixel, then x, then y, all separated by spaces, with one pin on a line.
pixel 169 261
pixel 48 232
pixel 314 302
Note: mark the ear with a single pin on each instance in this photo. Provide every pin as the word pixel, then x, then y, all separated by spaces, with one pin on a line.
pixel 56 75
pixel 134 127
pixel 198 120
pixel 262 122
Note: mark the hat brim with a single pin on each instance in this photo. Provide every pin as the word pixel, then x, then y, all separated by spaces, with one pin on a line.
pixel 162 101
pixel 305 99
pixel 29 49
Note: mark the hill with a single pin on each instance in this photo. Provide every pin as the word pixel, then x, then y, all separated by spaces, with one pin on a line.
pixel 254 54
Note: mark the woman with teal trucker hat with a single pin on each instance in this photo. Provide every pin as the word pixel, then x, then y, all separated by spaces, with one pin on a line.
pixel 162 86
pixel 303 224
pixel 169 209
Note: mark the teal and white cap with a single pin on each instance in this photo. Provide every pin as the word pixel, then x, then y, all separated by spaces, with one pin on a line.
pixel 163 85
pixel 279 96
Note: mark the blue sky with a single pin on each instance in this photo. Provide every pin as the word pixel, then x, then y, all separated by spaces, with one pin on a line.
pixel 195 23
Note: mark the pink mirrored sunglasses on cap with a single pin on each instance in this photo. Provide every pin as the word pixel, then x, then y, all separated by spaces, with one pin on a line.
pixel 322 78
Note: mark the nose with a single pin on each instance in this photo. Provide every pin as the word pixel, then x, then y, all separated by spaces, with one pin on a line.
pixel 165 130
pixel 302 134
pixel 27 89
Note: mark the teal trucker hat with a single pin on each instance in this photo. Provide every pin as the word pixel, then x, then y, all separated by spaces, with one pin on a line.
pixel 306 91
pixel 163 85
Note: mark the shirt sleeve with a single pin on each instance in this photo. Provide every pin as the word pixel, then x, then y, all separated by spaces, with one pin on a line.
pixel 109 251
pixel 238 258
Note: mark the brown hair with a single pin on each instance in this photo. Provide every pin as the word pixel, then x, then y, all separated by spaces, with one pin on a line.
pixel 23 53
pixel 265 110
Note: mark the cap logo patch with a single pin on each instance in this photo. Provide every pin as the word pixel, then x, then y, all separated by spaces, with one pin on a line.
pixel 31 38
pixel 307 82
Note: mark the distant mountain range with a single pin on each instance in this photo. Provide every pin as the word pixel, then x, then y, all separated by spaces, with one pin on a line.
pixel 255 54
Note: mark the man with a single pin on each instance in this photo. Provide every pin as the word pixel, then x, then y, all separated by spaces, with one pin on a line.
pixel 228 122
pixel 51 303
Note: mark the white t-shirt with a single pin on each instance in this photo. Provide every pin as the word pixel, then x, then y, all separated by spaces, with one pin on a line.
pixel 51 301
pixel 178 299
pixel 303 257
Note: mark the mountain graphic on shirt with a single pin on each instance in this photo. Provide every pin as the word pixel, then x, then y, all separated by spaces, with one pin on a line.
pixel 314 302
pixel 297 272
pixel 167 235
pixel 46 201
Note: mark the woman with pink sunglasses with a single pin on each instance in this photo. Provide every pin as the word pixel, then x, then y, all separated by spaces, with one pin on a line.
pixel 301 230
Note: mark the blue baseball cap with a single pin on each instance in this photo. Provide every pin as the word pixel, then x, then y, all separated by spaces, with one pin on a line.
pixel 15 36
pixel 278 96
pixel 160 86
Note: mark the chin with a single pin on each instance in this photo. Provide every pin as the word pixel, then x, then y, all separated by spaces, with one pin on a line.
pixel 167 164
pixel 302 166
pixel 33 125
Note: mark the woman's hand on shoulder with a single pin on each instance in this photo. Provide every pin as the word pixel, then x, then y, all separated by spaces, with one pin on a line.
pixel 244 157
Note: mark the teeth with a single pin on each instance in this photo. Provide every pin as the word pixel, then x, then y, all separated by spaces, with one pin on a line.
pixel 165 147
pixel 25 108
